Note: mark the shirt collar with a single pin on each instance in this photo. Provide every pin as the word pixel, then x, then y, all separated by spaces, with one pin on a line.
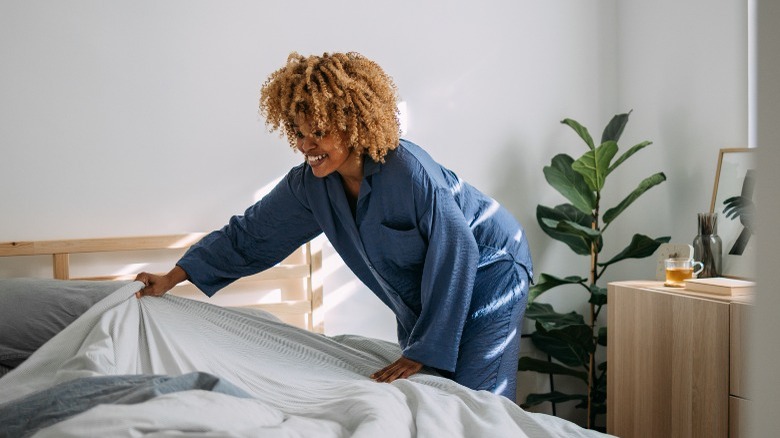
pixel 370 166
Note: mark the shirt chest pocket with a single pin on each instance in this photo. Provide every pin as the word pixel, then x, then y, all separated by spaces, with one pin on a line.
pixel 401 247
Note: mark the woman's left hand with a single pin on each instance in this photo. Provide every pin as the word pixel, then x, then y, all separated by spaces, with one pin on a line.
pixel 400 369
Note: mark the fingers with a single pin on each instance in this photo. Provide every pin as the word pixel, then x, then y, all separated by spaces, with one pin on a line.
pixel 384 374
pixel 143 277
pixel 387 375
pixel 400 369
pixel 152 285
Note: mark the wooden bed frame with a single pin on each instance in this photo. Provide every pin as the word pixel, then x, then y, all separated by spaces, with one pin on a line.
pixel 302 307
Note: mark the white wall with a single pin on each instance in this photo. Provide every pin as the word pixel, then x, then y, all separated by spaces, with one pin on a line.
pixel 132 118
pixel 683 68
pixel 125 118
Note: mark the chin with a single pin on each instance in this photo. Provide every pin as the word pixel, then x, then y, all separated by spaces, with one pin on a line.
pixel 320 173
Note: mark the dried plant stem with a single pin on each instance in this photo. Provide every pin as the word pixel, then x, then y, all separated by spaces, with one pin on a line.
pixel 708 225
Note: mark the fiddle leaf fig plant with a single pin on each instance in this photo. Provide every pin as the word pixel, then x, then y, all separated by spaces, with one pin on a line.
pixel 570 340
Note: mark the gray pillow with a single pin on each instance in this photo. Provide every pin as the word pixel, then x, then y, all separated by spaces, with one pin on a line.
pixel 33 310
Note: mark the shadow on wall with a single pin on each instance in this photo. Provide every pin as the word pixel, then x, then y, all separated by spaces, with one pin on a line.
pixel 516 182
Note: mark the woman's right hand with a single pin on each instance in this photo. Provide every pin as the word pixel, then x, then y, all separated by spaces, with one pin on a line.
pixel 158 285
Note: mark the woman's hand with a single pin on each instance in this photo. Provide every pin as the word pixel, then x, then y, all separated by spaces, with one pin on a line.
pixel 400 369
pixel 158 285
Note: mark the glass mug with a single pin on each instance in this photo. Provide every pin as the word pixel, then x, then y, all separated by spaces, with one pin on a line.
pixel 680 269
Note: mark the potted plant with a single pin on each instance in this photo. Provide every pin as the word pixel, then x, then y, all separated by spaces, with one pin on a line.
pixel 570 340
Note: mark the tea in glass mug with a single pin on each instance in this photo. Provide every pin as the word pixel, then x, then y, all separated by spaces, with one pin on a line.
pixel 680 269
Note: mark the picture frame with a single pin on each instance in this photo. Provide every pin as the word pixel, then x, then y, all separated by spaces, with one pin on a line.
pixel 734 199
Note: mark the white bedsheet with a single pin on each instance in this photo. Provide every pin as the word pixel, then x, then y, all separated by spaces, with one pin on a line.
pixel 303 384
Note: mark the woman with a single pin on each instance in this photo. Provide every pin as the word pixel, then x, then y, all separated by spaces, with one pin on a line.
pixel 451 263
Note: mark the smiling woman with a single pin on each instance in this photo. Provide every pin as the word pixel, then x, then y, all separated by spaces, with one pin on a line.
pixel 340 92
pixel 327 153
pixel 450 262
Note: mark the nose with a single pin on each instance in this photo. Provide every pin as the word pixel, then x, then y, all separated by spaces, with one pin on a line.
pixel 307 144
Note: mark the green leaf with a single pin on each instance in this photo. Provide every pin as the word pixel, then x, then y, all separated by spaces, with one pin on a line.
pixel 552 397
pixel 544 314
pixel 571 345
pixel 566 212
pixel 595 407
pixel 547 282
pixel 640 247
pixel 599 408
pixel 598 295
pixel 546 367
pixel 644 186
pixel 581 131
pixel 588 236
pixel 593 165
pixel 634 149
pixel 599 388
pixel 602 340
pixel 615 127
pixel 560 175
pixel 573 227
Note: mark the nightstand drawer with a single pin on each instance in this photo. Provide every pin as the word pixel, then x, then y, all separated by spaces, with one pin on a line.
pixel 737 412
pixel 738 344
pixel 677 362
pixel 668 356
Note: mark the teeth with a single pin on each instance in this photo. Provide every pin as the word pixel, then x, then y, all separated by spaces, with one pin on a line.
pixel 314 158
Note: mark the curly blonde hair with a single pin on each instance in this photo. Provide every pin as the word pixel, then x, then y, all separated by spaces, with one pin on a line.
pixel 341 93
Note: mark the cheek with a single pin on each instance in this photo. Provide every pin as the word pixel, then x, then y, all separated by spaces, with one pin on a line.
pixel 338 147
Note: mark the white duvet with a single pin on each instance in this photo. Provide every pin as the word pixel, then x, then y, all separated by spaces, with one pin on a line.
pixel 303 384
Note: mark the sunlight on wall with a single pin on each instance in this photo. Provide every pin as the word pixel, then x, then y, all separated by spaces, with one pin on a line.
pixel 340 295
pixel 403 117
pixel 331 264
pixel 272 296
pixel 266 189
pixel 187 240
pixel 130 270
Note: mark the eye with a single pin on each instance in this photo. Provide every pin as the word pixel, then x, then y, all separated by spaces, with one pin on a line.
pixel 319 134
pixel 298 134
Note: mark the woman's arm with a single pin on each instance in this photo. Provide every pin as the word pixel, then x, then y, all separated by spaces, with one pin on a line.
pixel 264 235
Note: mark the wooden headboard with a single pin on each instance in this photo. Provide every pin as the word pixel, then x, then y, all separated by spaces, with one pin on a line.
pixel 291 290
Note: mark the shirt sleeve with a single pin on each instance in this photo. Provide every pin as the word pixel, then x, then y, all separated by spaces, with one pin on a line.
pixel 263 236
pixel 447 284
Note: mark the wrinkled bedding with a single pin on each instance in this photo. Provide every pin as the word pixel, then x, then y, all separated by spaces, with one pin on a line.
pixel 186 368
pixel 25 416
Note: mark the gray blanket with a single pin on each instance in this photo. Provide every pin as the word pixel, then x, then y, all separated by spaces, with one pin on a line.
pixel 24 417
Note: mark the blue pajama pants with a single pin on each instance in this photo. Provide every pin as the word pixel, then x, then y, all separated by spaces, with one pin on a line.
pixel 490 344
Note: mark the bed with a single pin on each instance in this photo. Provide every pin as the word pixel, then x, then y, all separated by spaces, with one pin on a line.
pixel 81 356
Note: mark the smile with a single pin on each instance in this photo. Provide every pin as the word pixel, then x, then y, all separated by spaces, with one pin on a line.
pixel 314 159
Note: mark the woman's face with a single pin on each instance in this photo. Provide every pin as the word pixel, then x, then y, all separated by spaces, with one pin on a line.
pixel 325 152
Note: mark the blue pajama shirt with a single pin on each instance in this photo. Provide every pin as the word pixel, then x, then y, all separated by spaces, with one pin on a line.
pixel 421 239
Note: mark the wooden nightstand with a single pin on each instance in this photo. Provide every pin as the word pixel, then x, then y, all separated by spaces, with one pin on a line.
pixel 675 362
